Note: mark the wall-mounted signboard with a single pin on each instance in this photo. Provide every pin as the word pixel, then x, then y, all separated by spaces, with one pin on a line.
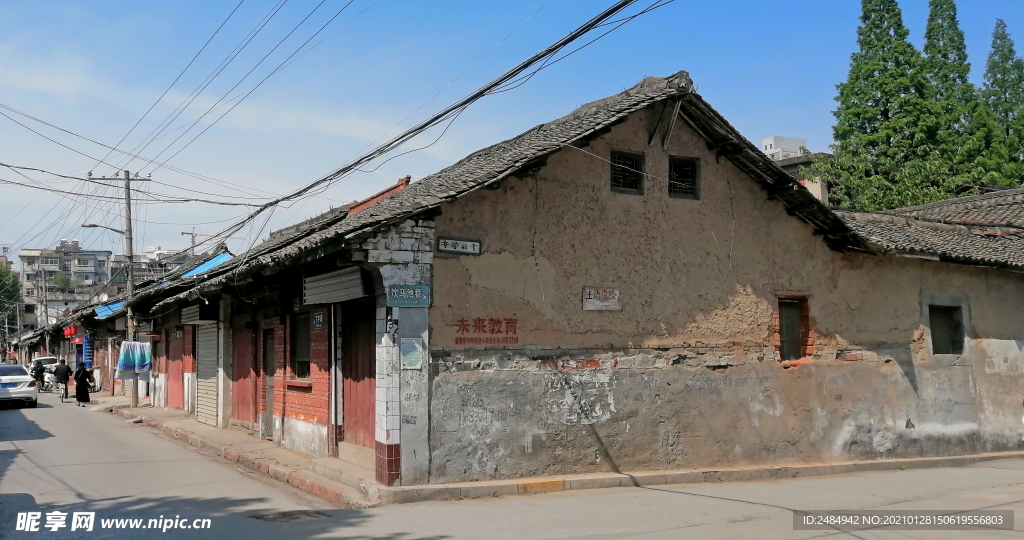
pixel 601 299
pixel 464 247
pixel 408 296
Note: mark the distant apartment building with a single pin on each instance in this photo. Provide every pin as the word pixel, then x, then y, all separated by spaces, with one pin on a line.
pixel 790 155
pixel 55 280
pixel 151 264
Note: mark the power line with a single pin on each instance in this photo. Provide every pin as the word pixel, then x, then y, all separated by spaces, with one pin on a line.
pixel 69 132
pixel 258 64
pixel 176 79
pixel 444 114
pixel 448 113
pixel 210 78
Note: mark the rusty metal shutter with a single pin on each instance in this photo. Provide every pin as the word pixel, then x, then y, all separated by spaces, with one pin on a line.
pixel 339 286
pixel 206 373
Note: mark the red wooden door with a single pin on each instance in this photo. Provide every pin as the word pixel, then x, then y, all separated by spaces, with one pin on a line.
pixel 176 371
pixel 358 359
pixel 243 378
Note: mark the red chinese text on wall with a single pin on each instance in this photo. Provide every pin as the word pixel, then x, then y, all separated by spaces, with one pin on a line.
pixel 486 331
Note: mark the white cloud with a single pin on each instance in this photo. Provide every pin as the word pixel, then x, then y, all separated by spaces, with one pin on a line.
pixel 62 75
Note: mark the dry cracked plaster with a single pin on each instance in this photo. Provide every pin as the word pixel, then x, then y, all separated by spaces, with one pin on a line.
pixel 706 269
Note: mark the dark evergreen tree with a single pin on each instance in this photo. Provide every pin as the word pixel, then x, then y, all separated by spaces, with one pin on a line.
pixel 1003 92
pixel 885 126
pixel 965 134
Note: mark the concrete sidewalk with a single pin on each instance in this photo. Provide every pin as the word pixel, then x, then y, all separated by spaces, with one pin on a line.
pixel 348 485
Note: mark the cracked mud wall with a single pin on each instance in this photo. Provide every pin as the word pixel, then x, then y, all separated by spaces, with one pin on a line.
pixel 698 282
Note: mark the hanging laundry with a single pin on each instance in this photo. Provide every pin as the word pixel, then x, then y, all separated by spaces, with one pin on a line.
pixel 134 363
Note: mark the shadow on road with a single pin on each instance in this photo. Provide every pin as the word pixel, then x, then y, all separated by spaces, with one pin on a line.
pixel 229 518
pixel 15 426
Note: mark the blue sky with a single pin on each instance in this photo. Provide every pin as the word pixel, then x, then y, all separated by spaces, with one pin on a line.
pixel 95 67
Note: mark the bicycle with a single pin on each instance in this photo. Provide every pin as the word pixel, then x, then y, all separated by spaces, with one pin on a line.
pixel 62 390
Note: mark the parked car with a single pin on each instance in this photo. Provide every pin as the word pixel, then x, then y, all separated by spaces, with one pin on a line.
pixel 48 362
pixel 17 385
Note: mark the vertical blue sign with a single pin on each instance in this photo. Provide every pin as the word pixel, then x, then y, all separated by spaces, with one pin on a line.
pixel 87 352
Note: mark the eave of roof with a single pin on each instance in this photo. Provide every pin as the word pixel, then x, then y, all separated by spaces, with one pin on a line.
pixel 495 163
pixel 890 233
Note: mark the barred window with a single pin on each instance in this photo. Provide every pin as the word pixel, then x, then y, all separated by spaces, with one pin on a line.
pixel 300 347
pixel 627 172
pixel 683 178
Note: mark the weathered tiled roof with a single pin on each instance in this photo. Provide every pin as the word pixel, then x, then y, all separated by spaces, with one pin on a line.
pixel 999 208
pixel 480 168
pixel 496 162
pixel 892 233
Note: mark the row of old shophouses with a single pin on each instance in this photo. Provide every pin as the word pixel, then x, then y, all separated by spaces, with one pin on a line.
pixel 633 286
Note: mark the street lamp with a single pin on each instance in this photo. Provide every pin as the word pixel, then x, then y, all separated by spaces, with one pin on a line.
pixel 129 280
pixel 95 226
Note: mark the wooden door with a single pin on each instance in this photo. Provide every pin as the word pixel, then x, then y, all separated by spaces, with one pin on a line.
pixel 357 366
pixel 243 378
pixel 176 371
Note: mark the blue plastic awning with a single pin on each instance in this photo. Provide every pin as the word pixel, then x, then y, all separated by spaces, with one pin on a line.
pixel 208 265
pixel 106 310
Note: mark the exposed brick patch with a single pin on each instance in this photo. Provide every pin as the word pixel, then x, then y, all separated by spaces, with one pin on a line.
pixel 388 463
pixel 581 364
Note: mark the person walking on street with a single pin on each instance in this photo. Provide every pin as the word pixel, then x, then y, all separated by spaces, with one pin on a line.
pixel 82 380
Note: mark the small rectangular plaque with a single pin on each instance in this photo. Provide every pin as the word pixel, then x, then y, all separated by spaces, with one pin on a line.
pixel 601 299
pixel 412 353
pixel 318 320
pixel 408 296
pixel 466 247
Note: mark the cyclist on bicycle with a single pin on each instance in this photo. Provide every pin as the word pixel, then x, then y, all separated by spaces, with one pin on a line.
pixel 38 372
pixel 62 373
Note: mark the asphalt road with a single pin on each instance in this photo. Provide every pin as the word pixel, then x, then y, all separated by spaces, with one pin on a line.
pixel 64 458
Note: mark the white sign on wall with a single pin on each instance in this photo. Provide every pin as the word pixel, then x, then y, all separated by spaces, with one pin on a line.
pixel 450 245
pixel 601 299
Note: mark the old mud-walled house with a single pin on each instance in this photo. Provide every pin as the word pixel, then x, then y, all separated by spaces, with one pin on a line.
pixel 633 286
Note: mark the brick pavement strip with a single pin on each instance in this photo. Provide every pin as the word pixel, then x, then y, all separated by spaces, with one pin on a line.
pixel 373 494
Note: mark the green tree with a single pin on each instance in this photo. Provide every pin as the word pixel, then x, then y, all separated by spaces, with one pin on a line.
pixel 885 126
pixel 65 284
pixel 9 292
pixel 966 140
pixel 1003 92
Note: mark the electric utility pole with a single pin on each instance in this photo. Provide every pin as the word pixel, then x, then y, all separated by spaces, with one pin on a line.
pixel 193 234
pixel 129 256
pixel 128 253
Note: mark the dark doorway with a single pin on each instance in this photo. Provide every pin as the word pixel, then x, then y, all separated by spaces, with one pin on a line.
pixel 793 328
pixel 268 376
pixel 358 359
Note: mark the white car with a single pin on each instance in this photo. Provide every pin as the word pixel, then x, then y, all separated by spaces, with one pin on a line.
pixel 17 385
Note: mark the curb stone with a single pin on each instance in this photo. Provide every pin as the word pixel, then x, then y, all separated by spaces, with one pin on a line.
pixel 335 493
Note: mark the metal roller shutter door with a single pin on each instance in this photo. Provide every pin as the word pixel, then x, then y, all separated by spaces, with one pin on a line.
pixel 339 286
pixel 206 374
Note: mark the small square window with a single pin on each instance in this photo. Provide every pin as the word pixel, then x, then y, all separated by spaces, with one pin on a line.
pixel 947 325
pixel 683 178
pixel 627 172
